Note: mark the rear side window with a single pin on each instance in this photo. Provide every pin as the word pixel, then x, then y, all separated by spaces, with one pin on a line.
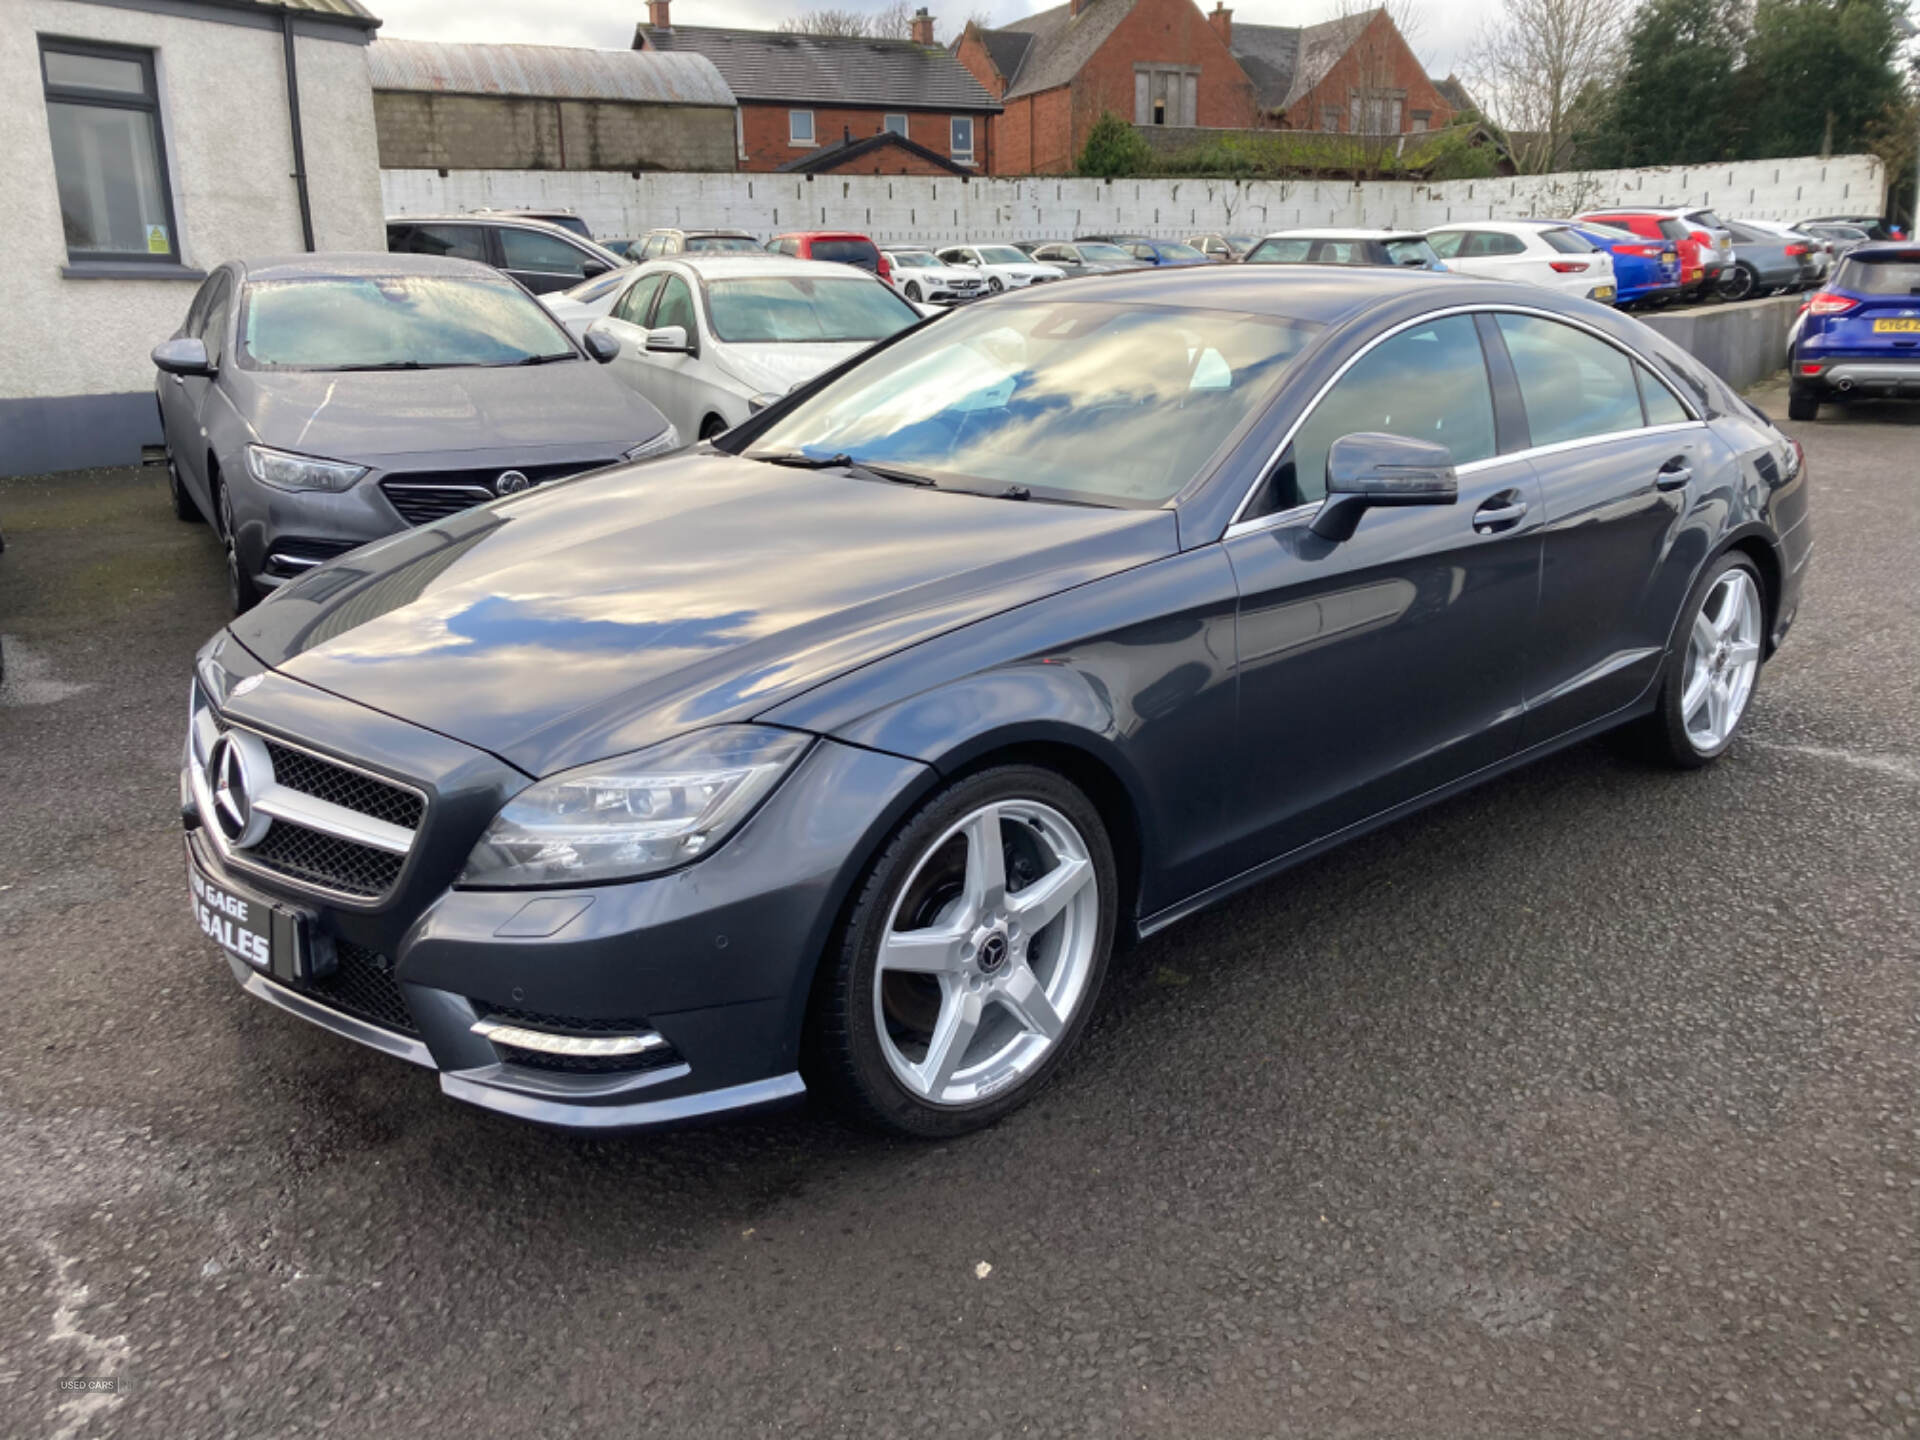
pixel 1675 229
pixel 1446 243
pixel 1339 252
pixel 1892 274
pixel 541 254
pixel 1567 242
pixel 1486 243
pixel 1707 218
pixel 1661 406
pixel 848 252
pixel 462 242
pixel 1573 385
pixel 1280 252
pixel 1415 253
pixel 1428 383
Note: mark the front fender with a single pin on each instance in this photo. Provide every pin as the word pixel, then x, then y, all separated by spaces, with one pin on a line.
pixel 1134 673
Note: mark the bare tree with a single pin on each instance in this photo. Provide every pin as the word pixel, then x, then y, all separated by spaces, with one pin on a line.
pixel 1531 64
pixel 893 21
pixel 1381 37
pixel 827 22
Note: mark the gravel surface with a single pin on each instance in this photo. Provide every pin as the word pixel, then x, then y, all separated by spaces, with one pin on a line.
pixel 1581 1105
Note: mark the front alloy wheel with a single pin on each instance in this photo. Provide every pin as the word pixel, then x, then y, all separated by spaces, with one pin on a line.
pixel 242 593
pixel 973 955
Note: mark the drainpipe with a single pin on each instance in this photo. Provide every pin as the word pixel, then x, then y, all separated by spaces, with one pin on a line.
pixel 299 145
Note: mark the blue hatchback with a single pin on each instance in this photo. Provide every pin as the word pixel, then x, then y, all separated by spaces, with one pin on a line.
pixel 1643 270
pixel 1860 336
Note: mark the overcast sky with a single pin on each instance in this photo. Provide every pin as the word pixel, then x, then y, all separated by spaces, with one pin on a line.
pixel 1441 30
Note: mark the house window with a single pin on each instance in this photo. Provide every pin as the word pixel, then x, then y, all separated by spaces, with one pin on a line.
pixel 962 136
pixel 1329 117
pixel 895 123
pixel 103 112
pixel 740 131
pixel 799 127
pixel 1371 113
pixel 1163 96
pixel 1420 120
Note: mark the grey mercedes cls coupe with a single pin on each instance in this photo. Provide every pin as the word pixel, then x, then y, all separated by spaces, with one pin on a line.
pixel 310 405
pixel 838 754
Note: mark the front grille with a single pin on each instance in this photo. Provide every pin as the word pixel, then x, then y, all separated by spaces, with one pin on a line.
pixel 656 1058
pixel 423 496
pixel 326 861
pixel 362 985
pixel 324 780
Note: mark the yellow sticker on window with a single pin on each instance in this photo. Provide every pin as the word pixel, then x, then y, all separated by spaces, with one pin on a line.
pixel 157 240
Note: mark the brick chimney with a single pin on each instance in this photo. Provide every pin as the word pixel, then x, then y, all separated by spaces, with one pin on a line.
pixel 922 31
pixel 1222 21
pixel 658 16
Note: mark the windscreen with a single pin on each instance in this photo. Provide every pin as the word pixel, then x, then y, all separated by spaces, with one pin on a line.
pixel 1101 403
pixel 395 322
pixel 1675 229
pixel 790 309
pixel 1280 252
pixel 847 252
pixel 723 245
pixel 1002 255
pixel 1413 253
pixel 914 260
pixel 1174 250
pixel 1897 273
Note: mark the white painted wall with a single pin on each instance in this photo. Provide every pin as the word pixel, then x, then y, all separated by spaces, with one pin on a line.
pixel 907 208
pixel 230 153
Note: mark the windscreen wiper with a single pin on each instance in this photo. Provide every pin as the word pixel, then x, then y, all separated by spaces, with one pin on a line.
pixel 798 460
pixel 541 359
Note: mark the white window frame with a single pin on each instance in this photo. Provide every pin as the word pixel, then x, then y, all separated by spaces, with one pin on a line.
pixel 954 152
pixel 794 137
pixel 887 126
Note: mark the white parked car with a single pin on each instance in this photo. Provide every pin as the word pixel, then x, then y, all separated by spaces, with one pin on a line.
pixel 921 276
pixel 586 302
pixel 1535 252
pixel 1002 266
pixel 711 339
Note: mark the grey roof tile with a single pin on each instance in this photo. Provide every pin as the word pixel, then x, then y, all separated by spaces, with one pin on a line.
pixel 1063 42
pixel 827 69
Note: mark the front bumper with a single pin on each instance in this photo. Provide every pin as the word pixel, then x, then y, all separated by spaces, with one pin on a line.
pixel 716 960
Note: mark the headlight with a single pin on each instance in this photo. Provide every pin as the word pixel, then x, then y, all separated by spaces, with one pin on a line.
pixel 300 472
pixel 760 402
pixel 625 818
pixel 668 439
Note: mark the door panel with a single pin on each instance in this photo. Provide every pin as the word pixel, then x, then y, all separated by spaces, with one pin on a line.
pixel 1376 669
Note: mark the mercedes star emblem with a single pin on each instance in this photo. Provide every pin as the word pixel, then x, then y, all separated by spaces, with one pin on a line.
pixel 239 769
pixel 511 482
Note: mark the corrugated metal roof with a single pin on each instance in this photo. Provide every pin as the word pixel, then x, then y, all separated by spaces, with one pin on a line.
pixel 547 72
pixel 827 69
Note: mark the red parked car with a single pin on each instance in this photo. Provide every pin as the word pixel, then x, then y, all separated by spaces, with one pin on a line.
pixel 840 246
pixel 1705 246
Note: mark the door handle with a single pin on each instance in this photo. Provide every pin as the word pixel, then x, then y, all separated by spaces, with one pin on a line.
pixel 1673 475
pixel 1502 512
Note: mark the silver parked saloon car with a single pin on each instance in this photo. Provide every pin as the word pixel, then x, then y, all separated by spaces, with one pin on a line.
pixel 313 404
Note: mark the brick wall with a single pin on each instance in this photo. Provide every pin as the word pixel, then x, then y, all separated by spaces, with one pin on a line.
pixel 765 128
pixel 1378 61
pixel 972 53
pixel 496 132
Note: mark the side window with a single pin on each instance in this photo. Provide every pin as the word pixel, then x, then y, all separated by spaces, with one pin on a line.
pixel 1144 252
pixel 461 242
pixel 1428 383
pixel 1572 385
pixel 653 246
pixel 1662 407
pixel 1446 243
pixel 633 305
pixel 676 307
pixel 541 254
pixel 213 325
pixel 1335 252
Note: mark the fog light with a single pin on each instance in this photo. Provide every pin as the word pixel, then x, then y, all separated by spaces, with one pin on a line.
pixel 539 1040
pixel 1810 369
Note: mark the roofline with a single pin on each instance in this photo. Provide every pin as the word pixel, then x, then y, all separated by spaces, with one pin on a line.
pixel 369 23
pixel 993 107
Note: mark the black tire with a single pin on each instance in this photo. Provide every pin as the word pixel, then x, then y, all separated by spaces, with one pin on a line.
pixel 842 1054
pixel 993 284
pixel 913 291
pixel 184 509
pixel 1665 731
pixel 1803 407
pixel 242 593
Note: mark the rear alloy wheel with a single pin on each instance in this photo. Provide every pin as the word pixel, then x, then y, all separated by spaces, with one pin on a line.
pixel 242 593
pixel 971 961
pixel 1738 283
pixel 1711 675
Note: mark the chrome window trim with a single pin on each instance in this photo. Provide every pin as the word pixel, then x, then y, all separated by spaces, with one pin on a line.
pixel 1235 523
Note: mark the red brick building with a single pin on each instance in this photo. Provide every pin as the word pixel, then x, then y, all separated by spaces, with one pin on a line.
pixel 1158 62
pixel 1355 75
pixel 799 94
